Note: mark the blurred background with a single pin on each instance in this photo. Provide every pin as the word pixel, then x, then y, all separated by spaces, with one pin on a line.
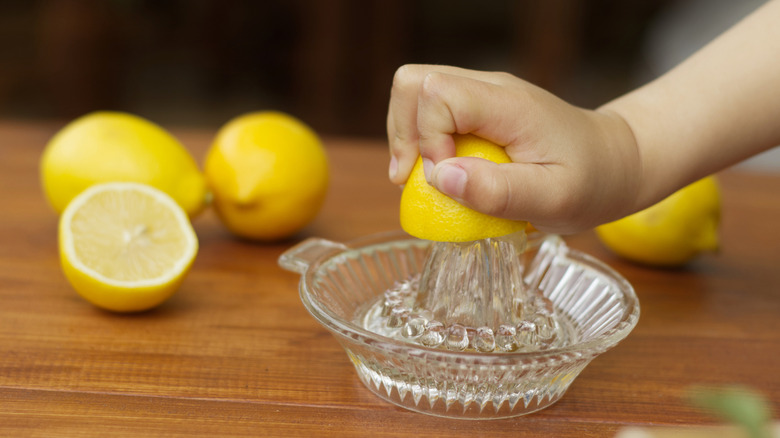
pixel 329 62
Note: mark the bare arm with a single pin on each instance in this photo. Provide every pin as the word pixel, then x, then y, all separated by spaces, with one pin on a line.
pixel 717 108
pixel 573 168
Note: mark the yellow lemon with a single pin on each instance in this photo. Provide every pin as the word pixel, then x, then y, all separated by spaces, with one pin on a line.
pixel 112 146
pixel 671 232
pixel 269 173
pixel 428 214
pixel 125 247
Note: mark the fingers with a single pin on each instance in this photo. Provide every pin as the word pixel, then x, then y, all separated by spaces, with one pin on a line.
pixel 509 190
pixel 402 122
pixel 450 104
pixel 423 114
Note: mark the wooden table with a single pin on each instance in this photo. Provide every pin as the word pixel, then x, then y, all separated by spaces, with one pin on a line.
pixel 234 353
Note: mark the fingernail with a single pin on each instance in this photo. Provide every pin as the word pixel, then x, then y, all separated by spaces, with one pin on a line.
pixel 451 180
pixel 427 169
pixel 393 167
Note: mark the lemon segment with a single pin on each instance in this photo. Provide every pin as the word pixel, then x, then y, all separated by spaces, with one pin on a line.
pixel 671 232
pixel 428 214
pixel 268 173
pixel 125 247
pixel 114 146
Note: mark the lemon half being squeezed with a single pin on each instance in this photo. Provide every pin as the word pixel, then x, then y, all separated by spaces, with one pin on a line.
pixel 427 213
pixel 125 247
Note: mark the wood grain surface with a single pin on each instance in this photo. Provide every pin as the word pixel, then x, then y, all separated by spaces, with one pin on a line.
pixel 234 353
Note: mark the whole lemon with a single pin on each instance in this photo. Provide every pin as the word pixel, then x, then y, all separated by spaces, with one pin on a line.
pixel 671 232
pixel 114 146
pixel 428 214
pixel 268 172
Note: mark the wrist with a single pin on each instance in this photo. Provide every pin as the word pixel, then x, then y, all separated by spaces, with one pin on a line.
pixel 621 143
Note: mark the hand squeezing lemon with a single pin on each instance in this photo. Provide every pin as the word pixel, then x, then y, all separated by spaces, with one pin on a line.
pixel 670 233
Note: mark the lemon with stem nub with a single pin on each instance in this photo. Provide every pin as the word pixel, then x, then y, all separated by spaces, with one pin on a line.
pixel 269 175
pixel 671 232
pixel 428 214
pixel 125 247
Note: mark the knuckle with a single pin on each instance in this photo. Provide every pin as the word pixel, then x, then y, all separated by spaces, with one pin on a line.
pixel 430 84
pixel 503 195
pixel 404 76
pixel 502 77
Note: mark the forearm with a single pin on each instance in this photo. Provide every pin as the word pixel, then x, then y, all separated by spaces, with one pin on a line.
pixel 713 110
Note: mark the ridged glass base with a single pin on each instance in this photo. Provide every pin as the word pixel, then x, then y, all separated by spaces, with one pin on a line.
pixel 462 391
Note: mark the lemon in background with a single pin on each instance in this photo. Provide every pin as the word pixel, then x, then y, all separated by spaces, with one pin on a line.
pixel 428 214
pixel 125 247
pixel 269 174
pixel 113 146
pixel 671 232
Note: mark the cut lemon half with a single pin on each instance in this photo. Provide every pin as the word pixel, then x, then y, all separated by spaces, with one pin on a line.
pixel 125 247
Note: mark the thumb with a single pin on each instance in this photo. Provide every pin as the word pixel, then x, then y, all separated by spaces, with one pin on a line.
pixel 520 191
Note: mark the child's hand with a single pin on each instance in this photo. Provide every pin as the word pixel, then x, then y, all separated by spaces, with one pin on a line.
pixel 572 169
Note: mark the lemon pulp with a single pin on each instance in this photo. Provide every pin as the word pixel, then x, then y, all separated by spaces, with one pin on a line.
pixel 125 246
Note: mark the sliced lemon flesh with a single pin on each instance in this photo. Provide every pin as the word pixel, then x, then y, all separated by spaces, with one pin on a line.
pixel 125 247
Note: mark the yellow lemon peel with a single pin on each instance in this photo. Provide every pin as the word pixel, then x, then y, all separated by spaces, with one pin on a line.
pixel 671 232
pixel 269 175
pixel 113 146
pixel 428 214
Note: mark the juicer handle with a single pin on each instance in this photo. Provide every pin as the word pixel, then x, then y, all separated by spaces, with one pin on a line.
pixel 299 257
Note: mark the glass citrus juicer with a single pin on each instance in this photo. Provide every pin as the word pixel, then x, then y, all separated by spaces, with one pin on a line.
pixel 491 328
